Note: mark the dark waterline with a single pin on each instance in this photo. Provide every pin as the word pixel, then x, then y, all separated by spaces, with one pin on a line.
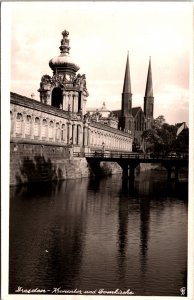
pixel 90 234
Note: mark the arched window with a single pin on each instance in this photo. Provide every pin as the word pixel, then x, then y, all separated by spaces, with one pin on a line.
pixel 19 123
pixel 11 122
pixel 28 125
pixel 50 134
pixel 44 127
pixel 57 131
pixel 36 126
pixel 57 97
pixel 63 134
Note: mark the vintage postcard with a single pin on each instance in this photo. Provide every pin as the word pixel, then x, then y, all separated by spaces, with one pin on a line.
pixel 97 170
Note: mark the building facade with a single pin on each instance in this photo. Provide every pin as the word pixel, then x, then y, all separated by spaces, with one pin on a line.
pixel 60 117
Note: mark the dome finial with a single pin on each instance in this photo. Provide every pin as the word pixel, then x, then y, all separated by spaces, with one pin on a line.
pixel 65 43
pixel 63 63
pixel 65 33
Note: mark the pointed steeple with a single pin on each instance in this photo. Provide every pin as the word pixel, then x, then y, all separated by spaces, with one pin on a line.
pixel 126 118
pixel 127 79
pixel 149 98
pixel 149 86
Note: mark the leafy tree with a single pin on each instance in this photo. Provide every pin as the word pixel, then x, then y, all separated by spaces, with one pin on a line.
pixel 160 138
pixel 158 122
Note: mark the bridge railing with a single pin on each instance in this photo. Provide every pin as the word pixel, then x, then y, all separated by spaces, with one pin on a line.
pixel 131 155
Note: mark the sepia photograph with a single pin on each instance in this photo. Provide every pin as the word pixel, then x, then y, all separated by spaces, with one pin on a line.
pixel 96 149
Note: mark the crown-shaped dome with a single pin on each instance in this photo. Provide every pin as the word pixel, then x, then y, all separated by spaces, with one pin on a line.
pixel 63 62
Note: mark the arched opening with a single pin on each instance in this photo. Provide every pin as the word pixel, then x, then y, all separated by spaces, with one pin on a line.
pixel 57 131
pixel 51 127
pixel 57 98
pixel 28 125
pixel 63 136
pixel 36 127
pixel 19 120
pixel 44 128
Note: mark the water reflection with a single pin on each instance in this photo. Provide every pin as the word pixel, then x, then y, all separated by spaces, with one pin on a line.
pixel 91 234
pixel 144 236
pixel 123 215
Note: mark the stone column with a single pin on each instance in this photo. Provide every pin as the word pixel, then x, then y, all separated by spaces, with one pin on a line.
pixel 69 102
pixel 69 133
pixel 65 101
pixel 89 137
pixel 85 137
pixel 81 136
pixel 73 104
pixel 76 102
pixel 74 133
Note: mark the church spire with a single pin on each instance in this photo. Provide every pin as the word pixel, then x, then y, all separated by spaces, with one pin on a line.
pixel 149 86
pixel 126 94
pixel 127 80
pixel 126 118
pixel 149 98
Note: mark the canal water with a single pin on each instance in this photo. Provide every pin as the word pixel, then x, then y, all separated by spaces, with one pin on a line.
pixel 100 236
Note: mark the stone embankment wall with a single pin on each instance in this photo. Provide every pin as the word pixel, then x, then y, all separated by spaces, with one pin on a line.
pixel 148 166
pixel 34 163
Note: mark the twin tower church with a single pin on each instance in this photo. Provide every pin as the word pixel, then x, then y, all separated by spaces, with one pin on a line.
pixel 67 90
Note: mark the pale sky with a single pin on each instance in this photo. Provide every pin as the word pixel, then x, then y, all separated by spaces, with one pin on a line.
pixel 100 35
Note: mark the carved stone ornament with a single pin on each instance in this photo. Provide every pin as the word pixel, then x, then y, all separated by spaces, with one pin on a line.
pixel 46 79
pixel 80 83
pixel 65 33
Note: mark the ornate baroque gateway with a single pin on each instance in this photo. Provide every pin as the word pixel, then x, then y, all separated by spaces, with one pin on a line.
pixel 60 118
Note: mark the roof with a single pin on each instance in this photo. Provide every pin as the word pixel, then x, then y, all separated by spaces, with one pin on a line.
pixel 180 124
pixel 135 110
pixel 117 112
pixel 149 86
pixel 127 80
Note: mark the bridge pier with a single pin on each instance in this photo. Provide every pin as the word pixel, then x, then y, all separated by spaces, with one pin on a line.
pixel 176 173
pixel 129 170
pixel 169 170
pixel 172 170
